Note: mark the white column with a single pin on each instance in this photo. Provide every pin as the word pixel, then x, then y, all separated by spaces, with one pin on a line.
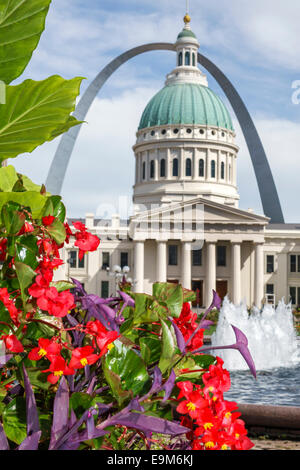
pixel 195 166
pixel 211 274
pixel 139 261
pixel 236 272
pixel 259 275
pixel 168 164
pixel 186 269
pixel 161 262
pixel 181 163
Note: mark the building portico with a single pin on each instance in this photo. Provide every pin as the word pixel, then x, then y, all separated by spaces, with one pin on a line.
pixel 217 251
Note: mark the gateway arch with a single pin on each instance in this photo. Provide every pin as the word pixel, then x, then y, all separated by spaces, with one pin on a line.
pixel 267 189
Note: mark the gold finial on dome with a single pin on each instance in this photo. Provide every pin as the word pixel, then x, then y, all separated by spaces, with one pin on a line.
pixel 187 19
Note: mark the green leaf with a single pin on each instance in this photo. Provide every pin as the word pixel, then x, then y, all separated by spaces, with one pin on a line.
pixel 31 199
pixel 147 309
pixel 21 25
pixel 169 347
pixel 30 186
pixel 37 330
pixel 27 250
pixel 80 402
pixel 36 112
pixel 12 219
pixel 170 295
pixel 38 379
pixel 194 363
pixel 62 285
pixel 55 207
pixel 14 420
pixel 57 231
pixel 150 349
pixel 25 276
pixel 114 381
pixel 8 178
pixel 128 366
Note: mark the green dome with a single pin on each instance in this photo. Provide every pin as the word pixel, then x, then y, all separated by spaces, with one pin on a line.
pixel 186 33
pixel 187 103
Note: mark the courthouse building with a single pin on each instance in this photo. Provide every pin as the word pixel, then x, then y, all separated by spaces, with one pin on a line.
pixel 188 227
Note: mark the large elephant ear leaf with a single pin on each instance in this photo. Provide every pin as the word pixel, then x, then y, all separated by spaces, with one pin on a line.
pixel 21 25
pixel 36 112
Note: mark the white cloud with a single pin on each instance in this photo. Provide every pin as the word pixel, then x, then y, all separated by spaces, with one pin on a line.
pixel 281 140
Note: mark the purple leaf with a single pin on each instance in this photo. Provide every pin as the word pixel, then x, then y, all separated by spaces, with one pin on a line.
pixel 242 346
pixel 33 425
pixel 157 381
pixel 78 287
pixel 3 440
pixel 217 301
pixel 60 413
pixel 169 385
pixel 105 314
pixel 4 359
pixel 206 324
pixel 90 426
pixel 147 424
pixel 31 442
pixel 179 337
pixel 127 299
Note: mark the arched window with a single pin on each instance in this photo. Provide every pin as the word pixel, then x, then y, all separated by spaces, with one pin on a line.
pixel 187 60
pixel 144 170
pixel 194 59
pixel 201 168
pixel 163 168
pixel 188 167
pixel 180 59
pixel 213 169
pixel 175 167
pixel 152 169
pixel 222 170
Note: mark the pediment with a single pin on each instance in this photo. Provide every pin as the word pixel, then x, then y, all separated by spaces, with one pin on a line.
pixel 209 211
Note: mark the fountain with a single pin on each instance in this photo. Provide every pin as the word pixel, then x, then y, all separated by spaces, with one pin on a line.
pixel 275 350
pixel 270 332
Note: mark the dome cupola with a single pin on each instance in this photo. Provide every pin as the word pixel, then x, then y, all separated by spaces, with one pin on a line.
pixel 185 141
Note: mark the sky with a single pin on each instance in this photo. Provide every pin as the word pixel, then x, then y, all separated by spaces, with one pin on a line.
pixel 256 44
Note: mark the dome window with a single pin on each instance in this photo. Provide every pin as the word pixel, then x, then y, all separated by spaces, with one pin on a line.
pixel 175 167
pixel 222 170
pixel 188 167
pixel 152 169
pixel 144 170
pixel 213 169
pixel 213 132
pixel 187 60
pixel 201 168
pixel 189 131
pixel 201 131
pixel 153 133
pixel 180 59
pixel 176 131
pixel 163 168
pixel 164 132
pixel 194 60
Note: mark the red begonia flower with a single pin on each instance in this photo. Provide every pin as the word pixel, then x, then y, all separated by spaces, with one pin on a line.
pixel 12 344
pixel 46 348
pixel 82 357
pixel 58 367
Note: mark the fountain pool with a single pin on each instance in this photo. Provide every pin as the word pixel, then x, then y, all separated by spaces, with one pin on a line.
pixel 274 347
